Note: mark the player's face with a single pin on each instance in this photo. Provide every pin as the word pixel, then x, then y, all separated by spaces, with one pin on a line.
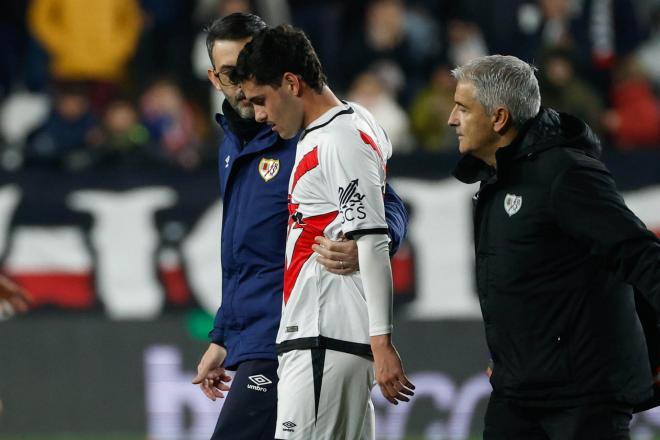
pixel 277 107
pixel 473 126
pixel 224 54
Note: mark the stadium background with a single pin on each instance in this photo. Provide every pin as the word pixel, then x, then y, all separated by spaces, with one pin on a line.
pixel 109 211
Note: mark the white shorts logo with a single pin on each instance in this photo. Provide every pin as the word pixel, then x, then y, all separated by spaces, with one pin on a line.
pixel 288 426
pixel 259 380
pixel 512 204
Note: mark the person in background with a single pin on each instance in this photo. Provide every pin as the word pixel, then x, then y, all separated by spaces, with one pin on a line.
pixel 557 256
pixel 255 164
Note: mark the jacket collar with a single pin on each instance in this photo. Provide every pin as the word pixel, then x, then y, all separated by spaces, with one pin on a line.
pixel 327 117
pixel 249 136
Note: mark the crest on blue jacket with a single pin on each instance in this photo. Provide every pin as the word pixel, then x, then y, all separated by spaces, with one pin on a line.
pixel 268 168
pixel 512 204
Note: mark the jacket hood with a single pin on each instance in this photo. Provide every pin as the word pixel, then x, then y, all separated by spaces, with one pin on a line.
pixel 551 129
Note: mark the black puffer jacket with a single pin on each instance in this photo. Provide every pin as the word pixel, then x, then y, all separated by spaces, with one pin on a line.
pixel 557 254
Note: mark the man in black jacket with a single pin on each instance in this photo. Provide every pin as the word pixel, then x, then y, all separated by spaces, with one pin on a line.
pixel 557 256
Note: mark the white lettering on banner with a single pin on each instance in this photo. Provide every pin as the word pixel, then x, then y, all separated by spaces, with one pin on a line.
pixel 440 230
pixel 201 250
pixel 176 409
pixel 169 397
pixel 55 249
pixel 125 241
pixel 10 195
pixel 459 403
pixel 169 394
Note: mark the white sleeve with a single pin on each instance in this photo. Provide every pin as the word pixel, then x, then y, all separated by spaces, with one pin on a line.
pixel 374 258
pixel 356 178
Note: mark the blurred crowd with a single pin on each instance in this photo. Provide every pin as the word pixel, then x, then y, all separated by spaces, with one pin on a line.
pixel 114 82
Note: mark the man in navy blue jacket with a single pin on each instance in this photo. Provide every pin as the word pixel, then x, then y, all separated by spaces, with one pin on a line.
pixel 255 165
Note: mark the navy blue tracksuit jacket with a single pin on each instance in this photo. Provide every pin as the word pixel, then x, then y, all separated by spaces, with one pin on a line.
pixel 254 223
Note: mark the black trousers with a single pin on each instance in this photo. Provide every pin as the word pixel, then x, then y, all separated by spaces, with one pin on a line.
pixel 250 411
pixel 507 420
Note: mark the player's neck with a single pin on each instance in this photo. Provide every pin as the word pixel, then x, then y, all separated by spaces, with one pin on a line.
pixel 316 104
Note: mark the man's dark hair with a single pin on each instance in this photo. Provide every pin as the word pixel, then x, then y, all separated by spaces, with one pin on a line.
pixel 273 52
pixel 233 27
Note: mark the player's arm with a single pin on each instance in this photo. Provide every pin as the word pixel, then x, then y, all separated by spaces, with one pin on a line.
pixel 373 251
pixel 13 298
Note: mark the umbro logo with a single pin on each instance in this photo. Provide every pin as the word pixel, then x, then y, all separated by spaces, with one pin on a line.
pixel 288 426
pixel 259 380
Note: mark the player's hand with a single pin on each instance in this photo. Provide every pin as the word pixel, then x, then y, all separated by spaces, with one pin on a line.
pixel 391 379
pixel 338 257
pixel 12 298
pixel 211 376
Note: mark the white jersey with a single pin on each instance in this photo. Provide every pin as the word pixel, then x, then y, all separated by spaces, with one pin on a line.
pixel 336 188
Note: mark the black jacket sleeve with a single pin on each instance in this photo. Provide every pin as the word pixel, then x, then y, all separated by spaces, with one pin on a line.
pixel 588 207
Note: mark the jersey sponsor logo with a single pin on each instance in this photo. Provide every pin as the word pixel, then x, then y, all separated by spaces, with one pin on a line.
pixel 227 159
pixel 350 203
pixel 288 426
pixel 512 204
pixel 259 380
pixel 268 168
pixel 292 329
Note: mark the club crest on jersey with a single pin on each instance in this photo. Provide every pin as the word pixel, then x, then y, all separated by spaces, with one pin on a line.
pixel 350 203
pixel 268 168
pixel 512 204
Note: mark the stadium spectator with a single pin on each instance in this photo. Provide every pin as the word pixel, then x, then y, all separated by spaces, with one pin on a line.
pixel 383 41
pixel 465 42
pixel 173 123
pixel 371 92
pixel 634 119
pixel 649 51
pixel 125 138
pixel 88 41
pixel 557 256
pixel 68 132
pixel 431 105
pixel 564 91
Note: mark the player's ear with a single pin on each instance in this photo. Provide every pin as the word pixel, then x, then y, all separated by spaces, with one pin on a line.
pixel 292 83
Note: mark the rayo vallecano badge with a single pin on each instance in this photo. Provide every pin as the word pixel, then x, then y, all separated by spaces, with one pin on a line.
pixel 268 168
pixel 512 204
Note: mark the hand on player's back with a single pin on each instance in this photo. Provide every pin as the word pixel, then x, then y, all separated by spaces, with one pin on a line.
pixel 390 376
pixel 339 257
pixel 211 376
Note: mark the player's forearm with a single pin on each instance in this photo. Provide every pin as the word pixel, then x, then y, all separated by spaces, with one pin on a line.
pixel 373 255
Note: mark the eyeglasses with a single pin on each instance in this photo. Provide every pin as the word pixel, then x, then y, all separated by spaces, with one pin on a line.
pixel 224 74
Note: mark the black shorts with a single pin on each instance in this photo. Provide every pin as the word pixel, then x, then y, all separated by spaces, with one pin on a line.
pixel 250 411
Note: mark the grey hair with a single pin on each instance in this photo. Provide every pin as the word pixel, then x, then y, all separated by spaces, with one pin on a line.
pixel 503 81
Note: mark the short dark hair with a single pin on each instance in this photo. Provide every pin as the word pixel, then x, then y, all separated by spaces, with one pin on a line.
pixel 233 27
pixel 273 52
